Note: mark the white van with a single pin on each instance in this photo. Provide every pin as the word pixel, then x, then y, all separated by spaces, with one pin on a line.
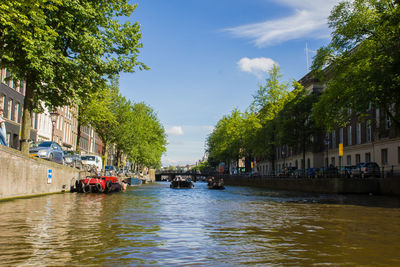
pixel 92 160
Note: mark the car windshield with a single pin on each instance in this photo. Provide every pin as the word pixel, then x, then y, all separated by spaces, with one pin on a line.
pixel 45 144
pixel 87 157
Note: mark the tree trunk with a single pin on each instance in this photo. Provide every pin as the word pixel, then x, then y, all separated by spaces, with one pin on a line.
pixel 105 155
pixel 304 156
pixel 26 116
pixel 78 132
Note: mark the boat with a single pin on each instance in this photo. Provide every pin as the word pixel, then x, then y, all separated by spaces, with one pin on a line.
pixel 212 184
pixel 216 186
pixel 133 181
pixel 181 184
pixel 99 184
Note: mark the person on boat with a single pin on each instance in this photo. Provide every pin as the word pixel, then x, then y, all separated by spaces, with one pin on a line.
pixel 221 182
pixel 211 180
pixel 3 133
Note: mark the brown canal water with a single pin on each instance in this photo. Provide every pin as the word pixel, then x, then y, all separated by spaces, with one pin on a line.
pixel 156 225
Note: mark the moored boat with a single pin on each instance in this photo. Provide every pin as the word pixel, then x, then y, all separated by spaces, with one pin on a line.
pixel 133 181
pixel 99 184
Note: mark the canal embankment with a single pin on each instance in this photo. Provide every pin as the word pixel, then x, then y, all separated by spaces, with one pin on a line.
pixel 24 176
pixel 378 186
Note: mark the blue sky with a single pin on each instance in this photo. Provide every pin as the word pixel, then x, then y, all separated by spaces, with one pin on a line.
pixel 208 57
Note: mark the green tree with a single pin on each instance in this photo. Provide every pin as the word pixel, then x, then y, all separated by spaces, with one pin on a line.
pixel 364 62
pixel 63 49
pixel 148 137
pixel 101 115
pixel 297 127
pixel 268 102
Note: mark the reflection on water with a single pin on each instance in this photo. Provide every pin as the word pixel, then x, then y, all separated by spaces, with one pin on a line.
pixel 156 225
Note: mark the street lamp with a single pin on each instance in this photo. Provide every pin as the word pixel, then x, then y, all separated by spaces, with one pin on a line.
pixel 53 117
pixel 327 150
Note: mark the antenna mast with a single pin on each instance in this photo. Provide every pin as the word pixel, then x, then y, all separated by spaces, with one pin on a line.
pixel 308 68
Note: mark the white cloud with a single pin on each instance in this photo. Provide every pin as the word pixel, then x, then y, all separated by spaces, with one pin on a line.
pixel 309 19
pixel 175 130
pixel 257 66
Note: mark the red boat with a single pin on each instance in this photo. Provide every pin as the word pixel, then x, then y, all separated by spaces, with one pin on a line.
pixel 99 184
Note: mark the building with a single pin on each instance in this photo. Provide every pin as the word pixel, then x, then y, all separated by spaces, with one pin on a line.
pixel 371 139
pixel 12 94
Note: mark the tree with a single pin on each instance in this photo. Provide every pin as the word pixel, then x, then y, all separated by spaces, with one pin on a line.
pixel 297 127
pixel 100 113
pixel 364 62
pixel 268 102
pixel 148 138
pixel 64 49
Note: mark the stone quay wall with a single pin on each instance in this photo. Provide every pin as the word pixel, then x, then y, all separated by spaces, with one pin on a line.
pixel 378 186
pixel 24 176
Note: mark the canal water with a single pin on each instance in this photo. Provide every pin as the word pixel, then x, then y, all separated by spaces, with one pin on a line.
pixel 156 225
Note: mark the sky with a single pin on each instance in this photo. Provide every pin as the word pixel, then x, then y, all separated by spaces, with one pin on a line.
pixel 208 57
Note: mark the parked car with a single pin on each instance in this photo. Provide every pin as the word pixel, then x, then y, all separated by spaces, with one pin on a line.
pixel 298 173
pixel 48 150
pixel 367 169
pixel 73 159
pixel 311 172
pixel 347 171
pixel 92 162
pixel 289 171
pixel 110 170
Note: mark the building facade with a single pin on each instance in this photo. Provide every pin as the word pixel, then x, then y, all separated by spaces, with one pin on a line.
pixel 12 94
pixel 372 139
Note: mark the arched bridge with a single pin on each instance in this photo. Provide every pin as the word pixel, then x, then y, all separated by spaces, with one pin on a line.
pixel 169 176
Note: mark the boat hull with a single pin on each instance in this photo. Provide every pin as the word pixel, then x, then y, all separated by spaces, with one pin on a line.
pixel 181 184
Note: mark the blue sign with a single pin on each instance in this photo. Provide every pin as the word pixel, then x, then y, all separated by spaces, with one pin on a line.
pixel 49 176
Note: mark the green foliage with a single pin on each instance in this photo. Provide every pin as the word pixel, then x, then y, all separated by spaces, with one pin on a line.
pixel 268 102
pixel 364 58
pixel 133 128
pixel 64 50
pixel 297 127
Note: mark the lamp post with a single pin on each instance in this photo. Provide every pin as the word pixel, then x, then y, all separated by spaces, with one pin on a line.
pixel 53 117
pixel 327 150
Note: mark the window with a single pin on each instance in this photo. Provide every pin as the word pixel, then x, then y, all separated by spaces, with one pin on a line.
pixel 341 136
pixel 340 161
pixel 15 85
pixel 2 75
pixel 369 131
pixel 358 133
pixel 16 112
pixel 348 159
pixel 384 156
pixel 333 138
pixel 3 102
pixel 8 82
pixel 358 159
pixel 308 163
pixel 333 161
pixel 388 122
pixel 349 141
pixel 9 109
pixel 9 139
pixel 367 157
pixel 398 154
pixel 22 87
